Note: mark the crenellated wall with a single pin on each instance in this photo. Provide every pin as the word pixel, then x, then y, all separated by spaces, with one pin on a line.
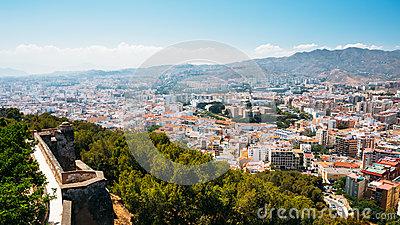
pixel 85 198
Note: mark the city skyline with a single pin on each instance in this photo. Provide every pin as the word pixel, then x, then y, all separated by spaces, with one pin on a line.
pixel 48 36
pixel 200 112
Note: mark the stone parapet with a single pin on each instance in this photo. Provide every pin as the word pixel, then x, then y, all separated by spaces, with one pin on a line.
pixel 50 158
pixel 85 199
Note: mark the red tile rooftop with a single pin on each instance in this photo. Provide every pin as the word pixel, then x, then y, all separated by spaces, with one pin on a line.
pixel 223 122
pixel 308 155
pixel 387 185
pixel 389 161
pixel 325 157
pixel 149 116
pixel 373 173
pixel 346 165
pixel 189 117
pixel 97 119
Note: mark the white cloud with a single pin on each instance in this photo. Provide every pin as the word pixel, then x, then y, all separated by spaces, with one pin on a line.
pixel 48 58
pixel 305 47
pixel 271 50
pixel 358 45
pixel 41 59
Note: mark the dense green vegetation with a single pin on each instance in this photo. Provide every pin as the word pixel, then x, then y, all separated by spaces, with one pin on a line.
pixel 233 198
pixel 283 119
pixel 308 133
pixel 22 196
pixel 214 107
pixel 209 114
pixel 10 113
pixel 287 118
pixel 318 149
pixel 153 128
pixel 216 110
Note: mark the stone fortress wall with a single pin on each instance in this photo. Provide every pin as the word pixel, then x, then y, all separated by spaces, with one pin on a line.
pixel 85 198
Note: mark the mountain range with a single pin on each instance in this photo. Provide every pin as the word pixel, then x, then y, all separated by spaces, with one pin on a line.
pixel 355 61
pixel 351 65
pixel 358 65
pixel 362 63
pixel 8 72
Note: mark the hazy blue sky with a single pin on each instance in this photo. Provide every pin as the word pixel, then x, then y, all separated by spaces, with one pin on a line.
pixel 273 26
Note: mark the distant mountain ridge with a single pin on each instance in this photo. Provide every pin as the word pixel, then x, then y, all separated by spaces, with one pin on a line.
pixel 351 65
pixel 5 72
pixel 354 61
pixel 336 65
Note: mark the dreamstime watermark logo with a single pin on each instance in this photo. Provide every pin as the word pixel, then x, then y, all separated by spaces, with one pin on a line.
pixel 294 213
pixel 175 59
pixel 266 213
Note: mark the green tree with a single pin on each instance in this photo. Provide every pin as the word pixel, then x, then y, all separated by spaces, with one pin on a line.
pixel 319 149
pixel 233 198
pixel 22 197
pixel 43 121
pixel 153 128
pixel 11 113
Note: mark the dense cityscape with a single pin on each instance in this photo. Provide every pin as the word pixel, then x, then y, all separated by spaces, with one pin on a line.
pixel 200 112
pixel 333 131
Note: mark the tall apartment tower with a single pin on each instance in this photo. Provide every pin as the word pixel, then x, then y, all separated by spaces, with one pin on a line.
pixel 347 146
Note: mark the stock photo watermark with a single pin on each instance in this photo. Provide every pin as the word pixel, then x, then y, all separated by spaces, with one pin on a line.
pixel 266 213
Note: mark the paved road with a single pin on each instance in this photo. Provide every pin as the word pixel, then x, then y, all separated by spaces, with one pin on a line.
pixel 341 209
